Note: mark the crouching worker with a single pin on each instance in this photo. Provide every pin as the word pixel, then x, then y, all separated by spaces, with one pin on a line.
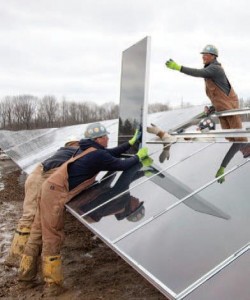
pixel 32 187
pixel 75 175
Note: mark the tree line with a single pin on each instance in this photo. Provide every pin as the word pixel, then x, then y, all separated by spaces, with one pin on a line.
pixel 31 112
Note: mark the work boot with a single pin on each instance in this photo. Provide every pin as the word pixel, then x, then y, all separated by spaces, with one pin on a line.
pixel 53 275
pixel 28 268
pixel 17 247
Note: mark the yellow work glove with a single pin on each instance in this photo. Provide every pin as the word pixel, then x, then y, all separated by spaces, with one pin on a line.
pixel 147 161
pixel 135 138
pixel 142 153
pixel 173 65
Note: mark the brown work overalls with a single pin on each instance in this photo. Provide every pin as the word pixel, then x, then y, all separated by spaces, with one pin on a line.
pixel 221 101
pixel 50 214
pixel 32 186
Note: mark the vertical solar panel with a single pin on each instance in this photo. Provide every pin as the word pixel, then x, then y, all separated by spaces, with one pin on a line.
pixel 134 91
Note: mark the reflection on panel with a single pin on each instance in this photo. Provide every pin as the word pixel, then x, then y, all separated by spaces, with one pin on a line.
pixel 114 190
pixel 125 211
pixel 166 186
pixel 231 283
pixel 181 246
pixel 202 167
pixel 158 192
pixel 133 95
pixel 177 153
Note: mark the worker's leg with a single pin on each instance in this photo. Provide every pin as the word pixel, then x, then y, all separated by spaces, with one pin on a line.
pixel 22 232
pixel 29 263
pixel 52 221
pixel 232 122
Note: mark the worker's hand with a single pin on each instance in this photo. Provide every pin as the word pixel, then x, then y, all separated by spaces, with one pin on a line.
pixel 155 130
pixel 209 110
pixel 142 153
pixel 173 65
pixel 219 173
pixel 147 161
pixel 135 138
pixel 165 154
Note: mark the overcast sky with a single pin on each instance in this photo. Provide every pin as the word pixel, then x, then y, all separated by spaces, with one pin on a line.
pixel 73 48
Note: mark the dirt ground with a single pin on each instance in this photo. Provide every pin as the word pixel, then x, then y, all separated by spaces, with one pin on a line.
pixel 92 271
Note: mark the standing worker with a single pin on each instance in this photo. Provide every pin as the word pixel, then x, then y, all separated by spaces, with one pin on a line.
pixel 218 87
pixel 75 175
pixel 32 187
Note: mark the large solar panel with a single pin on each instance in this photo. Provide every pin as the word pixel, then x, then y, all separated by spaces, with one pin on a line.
pixel 134 92
pixel 194 238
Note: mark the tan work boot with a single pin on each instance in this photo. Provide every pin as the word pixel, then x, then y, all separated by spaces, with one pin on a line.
pixel 28 268
pixel 17 247
pixel 53 275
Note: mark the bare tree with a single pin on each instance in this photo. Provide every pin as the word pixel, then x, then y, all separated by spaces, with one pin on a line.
pixel 24 109
pixel 49 109
pixel 64 112
pixel 7 112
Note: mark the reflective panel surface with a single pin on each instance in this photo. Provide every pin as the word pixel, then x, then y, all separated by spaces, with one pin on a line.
pixel 191 243
pixel 133 93
pixel 229 284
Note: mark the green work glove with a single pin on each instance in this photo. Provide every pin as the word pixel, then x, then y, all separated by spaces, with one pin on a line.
pixel 135 138
pixel 173 65
pixel 220 172
pixel 142 153
pixel 148 173
pixel 147 161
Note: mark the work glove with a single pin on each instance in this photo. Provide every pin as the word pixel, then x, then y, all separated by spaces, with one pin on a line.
pixel 165 154
pixel 155 130
pixel 161 134
pixel 147 161
pixel 209 110
pixel 135 138
pixel 173 65
pixel 142 153
pixel 219 173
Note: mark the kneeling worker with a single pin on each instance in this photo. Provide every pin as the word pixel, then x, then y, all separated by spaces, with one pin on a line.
pixel 32 186
pixel 75 175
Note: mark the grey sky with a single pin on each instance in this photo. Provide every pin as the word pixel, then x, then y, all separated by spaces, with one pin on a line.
pixel 73 48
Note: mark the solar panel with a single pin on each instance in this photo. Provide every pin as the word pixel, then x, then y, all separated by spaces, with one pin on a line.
pixel 134 91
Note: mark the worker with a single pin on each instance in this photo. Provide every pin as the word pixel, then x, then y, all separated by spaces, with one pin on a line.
pixel 74 176
pixel 32 187
pixel 218 87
